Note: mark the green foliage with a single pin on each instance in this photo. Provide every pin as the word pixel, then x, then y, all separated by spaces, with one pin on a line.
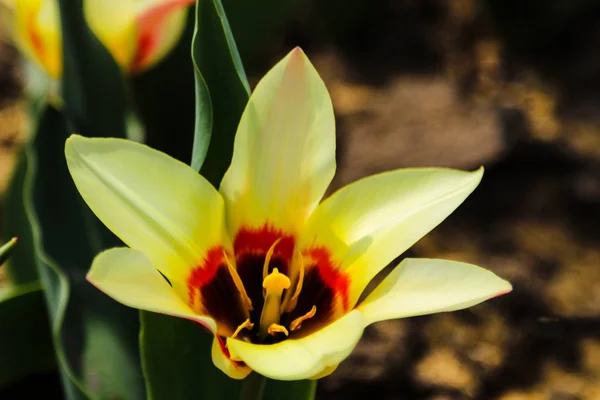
pixel 94 337
pixel 166 105
pixel 93 88
pixel 222 90
pixel 177 361
pixel 6 250
pixel 21 268
pixel 25 347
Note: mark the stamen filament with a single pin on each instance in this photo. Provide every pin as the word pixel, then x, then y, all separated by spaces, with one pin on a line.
pixel 297 323
pixel 244 325
pixel 290 300
pixel 276 328
pixel 238 283
pixel 268 258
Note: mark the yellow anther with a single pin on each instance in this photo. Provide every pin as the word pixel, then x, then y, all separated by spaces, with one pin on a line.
pixel 276 328
pixel 238 283
pixel 291 299
pixel 297 323
pixel 244 325
pixel 276 282
pixel 268 258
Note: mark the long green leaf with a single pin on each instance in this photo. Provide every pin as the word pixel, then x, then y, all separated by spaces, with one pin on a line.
pixel 7 249
pixel 95 338
pixel 25 348
pixel 293 390
pixel 21 268
pixel 166 105
pixel 93 87
pixel 177 361
pixel 222 90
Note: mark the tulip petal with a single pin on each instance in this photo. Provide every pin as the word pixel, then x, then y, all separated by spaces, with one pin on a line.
pixel 127 276
pixel 310 356
pixel 38 34
pixel 220 357
pixel 160 25
pixel 284 151
pixel 154 203
pixel 114 22
pixel 427 286
pixel 368 223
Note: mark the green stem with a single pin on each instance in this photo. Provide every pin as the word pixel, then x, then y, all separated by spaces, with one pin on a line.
pixel 253 387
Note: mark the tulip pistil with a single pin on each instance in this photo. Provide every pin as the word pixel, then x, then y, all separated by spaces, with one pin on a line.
pixel 274 284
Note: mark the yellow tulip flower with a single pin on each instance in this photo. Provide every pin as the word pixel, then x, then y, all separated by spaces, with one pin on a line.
pixel 138 33
pixel 270 270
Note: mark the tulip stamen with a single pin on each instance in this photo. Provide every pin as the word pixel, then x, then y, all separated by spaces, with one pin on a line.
pixel 276 328
pixel 238 283
pixel 290 300
pixel 297 323
pixel 274 285
pixel 268 257
pixel 244 325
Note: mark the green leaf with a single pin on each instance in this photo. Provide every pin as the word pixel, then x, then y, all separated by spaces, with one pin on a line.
pixel 166 105
pixel 21 268
pixel 177 362
pixel 93 87
pixel 95 338
pixel 293 390
pixel 25 342
pixel 7 249
pixel 222 90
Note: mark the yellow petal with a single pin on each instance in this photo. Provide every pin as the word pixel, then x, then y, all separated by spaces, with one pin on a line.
pixel 284 152
pixel 426 286
pixel 326 372
pixel 295 359
pixel 38 34
pixel 154 203
pixel 160 25
pixel 114 22
pixel 368 223
pixel 234 369
pixel 127 276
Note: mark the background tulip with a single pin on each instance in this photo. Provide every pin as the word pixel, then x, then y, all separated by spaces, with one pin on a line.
pixel 138 33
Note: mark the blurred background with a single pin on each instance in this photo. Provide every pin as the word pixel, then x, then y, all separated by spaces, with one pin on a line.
pixel 512 85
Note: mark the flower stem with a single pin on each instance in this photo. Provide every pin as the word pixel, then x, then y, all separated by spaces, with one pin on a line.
pixel 253 387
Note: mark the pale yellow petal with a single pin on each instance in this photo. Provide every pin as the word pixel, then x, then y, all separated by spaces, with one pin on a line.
pixel 114 22
pixel 233 369
pixel 296 359
pixel 37 33
pixel 427 286
pixel 368 223
pixel 127 276
pixel 284 152
pixel 326 372
pixel 154 203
